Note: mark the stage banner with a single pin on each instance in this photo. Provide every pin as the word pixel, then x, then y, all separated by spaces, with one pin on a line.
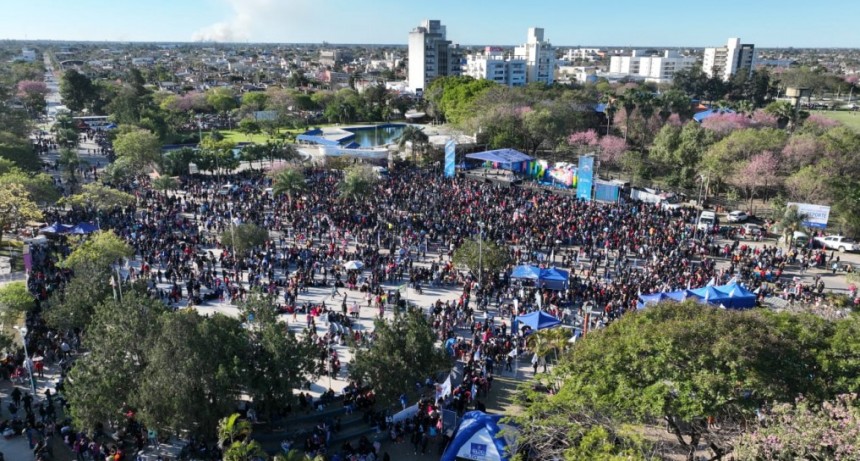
pixel 450 158
pixel 584 177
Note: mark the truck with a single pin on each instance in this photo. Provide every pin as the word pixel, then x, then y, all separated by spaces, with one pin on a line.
pixel 838 242
pixel 666 200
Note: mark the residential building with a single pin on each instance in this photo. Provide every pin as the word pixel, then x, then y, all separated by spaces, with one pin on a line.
pixel 431 55
pixel 578 74
pixel 334 57
pixel 725 61
pixel 28 55
pixel 653 65
pixel 583 54
pixel 494 65
pixel 539 56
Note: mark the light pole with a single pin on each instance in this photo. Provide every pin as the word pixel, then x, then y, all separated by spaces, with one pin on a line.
pixel 480 254
pixel 27 362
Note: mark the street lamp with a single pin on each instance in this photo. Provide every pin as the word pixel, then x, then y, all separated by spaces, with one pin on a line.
pixel 27 362
pixel 480 254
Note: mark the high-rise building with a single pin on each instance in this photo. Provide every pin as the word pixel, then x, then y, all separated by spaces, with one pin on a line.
pixel 651 64
pixel 494 65
pixel 539 56
pixel 431 55
pixel 725 61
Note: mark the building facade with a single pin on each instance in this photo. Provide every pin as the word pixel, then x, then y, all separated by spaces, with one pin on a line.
pixel 539 56
pixel 725 61
pixel 652 65
pixel 431 55
pixel 494 65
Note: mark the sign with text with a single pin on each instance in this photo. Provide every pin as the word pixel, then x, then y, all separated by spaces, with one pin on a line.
pixel 816 215
pixel 450 158
pixel 584 177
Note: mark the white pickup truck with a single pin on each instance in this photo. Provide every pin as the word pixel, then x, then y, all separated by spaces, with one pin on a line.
pixel 838 242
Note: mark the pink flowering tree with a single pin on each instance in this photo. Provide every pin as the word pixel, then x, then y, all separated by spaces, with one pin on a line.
pixel 802 150
pixel 820 123
pixel 611 149
pixel 726 122
pixel 761 119
pixel 759 171
pixel 805 430
pixel 32 94
pixel 583 138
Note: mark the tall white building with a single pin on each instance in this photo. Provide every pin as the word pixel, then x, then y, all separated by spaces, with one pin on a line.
pixel 431 55
pixel 652 65
pixel 725 61
pixel 539 56
pixel 494 65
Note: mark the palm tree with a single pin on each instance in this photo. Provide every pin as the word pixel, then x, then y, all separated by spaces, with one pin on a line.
pixel 165 183
pixel 288 181
pixel 545 341
pixel 245 451
pixel 791 222
pixel 232 429
pixel 416 136
pixel 628 103
pixel 70 162
pixel 358 181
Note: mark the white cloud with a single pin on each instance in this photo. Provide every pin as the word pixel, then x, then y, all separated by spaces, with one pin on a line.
pixel 254 19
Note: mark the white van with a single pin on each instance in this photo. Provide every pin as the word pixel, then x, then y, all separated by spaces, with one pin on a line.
pixel 707 221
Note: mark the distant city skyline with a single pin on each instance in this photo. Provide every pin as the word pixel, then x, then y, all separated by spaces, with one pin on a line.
pixel 624 23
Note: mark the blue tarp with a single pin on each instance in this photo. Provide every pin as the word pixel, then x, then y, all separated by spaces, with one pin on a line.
pixel 56 228
pixel 526 272
pixel 317 140
pixel 710 294
pixel 83 228
pixel 480 438
pixel 538 320
pixel 730 296
pixel 503 156
pixel 707 113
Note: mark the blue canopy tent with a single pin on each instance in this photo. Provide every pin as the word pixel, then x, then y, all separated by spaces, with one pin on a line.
pixel 480 438
pixel 526 272
pixel 506 159
pixel 683 295
pixel 537 320
pixel 701 116
pixel 83 228
pixel 711 295
pixel 554 279
pixel 656 298
pixel 56 228
pixel 738 296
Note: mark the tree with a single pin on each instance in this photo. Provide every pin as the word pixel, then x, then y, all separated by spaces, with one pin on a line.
pixel 70 162
pixel 176 161
pixel 485 255
pixel 244 237
pixel 679 363
pixel 101 249
pixel 221 99
pixel 254 101
pixel 358 181
pixel 74 305
pixel 278 361
pixel 759 171
pixel 193 373
pixel 141 148
pixel 287 181
pixel 249 127
pixel 16 208
pixel 33 93
pixel 19 151
pixel 104 383
pixel 415 137
pixel 233 429
pixel 805 430
pixel 40 186
pixel 77 90
pixel 165 183
pixel 403 353
pixel 847 204
pixel 15 301
pixel 100 197
pixel 791 222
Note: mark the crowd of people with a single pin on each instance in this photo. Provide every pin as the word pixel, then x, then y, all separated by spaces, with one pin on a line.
pixel 406 231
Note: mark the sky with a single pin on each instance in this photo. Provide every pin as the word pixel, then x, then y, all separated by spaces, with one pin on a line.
pixel 765 23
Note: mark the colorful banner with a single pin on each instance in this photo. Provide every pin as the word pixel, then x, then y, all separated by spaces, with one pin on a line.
pixel 584 177
pixel 450 158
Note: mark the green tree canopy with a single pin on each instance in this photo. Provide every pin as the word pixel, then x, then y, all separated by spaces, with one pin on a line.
pixel 19 151
pixel 101 249
pixel 15 301
pixel 288 181
pixel 358 181
pixel 486 254
pixel 16 208
pixel 40 186
pixel 403 353
pixel 98 196
pixel 141 148
pixel 77 90
pixel 243 237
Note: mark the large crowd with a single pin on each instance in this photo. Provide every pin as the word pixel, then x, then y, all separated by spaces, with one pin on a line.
pixel 405 231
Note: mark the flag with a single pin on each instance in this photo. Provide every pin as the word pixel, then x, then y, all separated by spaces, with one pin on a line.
pixel 444 389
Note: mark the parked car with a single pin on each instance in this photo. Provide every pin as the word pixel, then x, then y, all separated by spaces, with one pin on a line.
pixel 838 242
pixel 752 230
pixel 737 216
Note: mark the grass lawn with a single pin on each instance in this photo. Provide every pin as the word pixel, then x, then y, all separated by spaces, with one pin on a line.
pixel 236 136
pixel 850 119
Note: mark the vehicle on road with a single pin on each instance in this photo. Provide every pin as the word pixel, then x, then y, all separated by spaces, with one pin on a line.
pixel 838 242
pixel 737 216
pixel 707 221
pixel 752 230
